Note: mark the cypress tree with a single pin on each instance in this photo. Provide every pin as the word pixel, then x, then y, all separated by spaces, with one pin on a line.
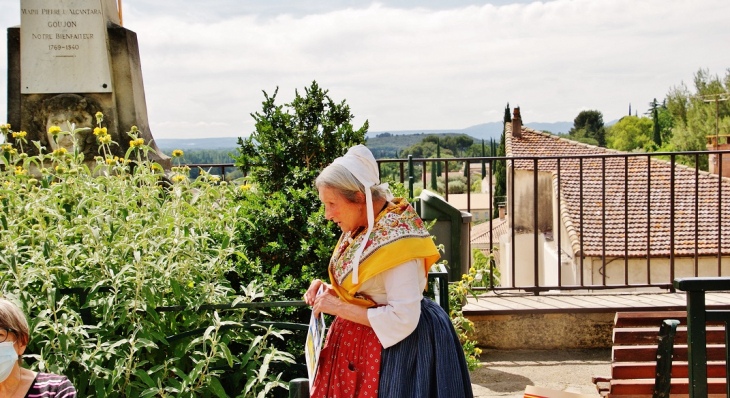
pixel 500 169
pixel 484 167
pixel 655 117
pixel 434 184
pixel 438 155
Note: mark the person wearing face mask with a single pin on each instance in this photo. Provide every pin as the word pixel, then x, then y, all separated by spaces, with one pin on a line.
pixel 16 381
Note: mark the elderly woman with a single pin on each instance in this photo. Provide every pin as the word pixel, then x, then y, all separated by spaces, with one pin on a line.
pixel 14 380
pixel 387 340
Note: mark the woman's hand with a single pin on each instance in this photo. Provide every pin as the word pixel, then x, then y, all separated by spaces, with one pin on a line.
pixel 328 304
pixel 311 294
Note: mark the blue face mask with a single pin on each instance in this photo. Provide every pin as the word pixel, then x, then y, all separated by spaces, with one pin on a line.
pixel 8 359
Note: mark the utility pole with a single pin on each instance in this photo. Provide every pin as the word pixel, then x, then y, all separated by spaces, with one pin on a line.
pixel 716 98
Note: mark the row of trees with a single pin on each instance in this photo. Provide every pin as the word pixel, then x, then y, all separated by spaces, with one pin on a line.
pixel 682 121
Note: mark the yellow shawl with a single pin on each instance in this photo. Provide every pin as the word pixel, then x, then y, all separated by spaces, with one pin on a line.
pixel 398 236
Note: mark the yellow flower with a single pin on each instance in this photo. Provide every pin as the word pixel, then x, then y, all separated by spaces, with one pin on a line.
pixel 19 134
pixel 215 178
pixel 7 147
pixel 4 128
pixel 246 187
pixel 110 161
pixel 60 151
pixel 136 143
pixel 177 153
pixel 54 130
pixel 178 178
pixel 105 139
pixel 99 117
pixel 19 171
pixel 100 131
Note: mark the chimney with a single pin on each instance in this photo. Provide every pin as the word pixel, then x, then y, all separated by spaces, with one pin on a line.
pixel 516 123
pixel 501 212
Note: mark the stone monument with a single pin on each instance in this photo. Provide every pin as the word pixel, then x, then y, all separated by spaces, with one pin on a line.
pixel 67 60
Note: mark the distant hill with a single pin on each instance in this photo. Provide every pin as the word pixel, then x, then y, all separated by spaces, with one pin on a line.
pixel 169 144
pixel 385 145
pixel 486 131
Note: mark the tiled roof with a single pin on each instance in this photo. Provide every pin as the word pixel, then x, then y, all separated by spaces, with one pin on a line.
pixel 535 143
pixel 480 232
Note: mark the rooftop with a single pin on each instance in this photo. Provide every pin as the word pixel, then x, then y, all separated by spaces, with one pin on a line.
pixel 644 206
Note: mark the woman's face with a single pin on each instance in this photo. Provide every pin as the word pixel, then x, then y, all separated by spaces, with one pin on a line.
pixel 347 215
pixel 12 337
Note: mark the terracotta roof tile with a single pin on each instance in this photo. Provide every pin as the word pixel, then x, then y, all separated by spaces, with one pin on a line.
pixel 538 144
pixel 480 232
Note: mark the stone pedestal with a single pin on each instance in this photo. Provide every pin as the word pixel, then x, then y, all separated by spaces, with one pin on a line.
pixel 68 60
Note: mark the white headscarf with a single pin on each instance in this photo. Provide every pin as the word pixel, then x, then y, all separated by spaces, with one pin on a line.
pixel 361 163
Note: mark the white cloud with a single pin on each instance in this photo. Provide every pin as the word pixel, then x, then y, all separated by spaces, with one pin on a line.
pixel 419 68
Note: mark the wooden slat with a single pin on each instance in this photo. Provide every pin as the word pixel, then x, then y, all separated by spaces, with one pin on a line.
pixel 532 303
pixel 650 318
pixel 647 353
pixel 645 370
pixel 642 336
pixel 646 386
pixel 559 303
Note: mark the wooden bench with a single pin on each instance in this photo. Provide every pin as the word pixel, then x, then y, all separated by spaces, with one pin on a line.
pixel 638 346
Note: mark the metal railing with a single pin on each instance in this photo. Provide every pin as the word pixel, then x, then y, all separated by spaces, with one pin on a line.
pixel 606 209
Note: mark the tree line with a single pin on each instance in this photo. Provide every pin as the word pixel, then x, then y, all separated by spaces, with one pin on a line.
pixel 681 121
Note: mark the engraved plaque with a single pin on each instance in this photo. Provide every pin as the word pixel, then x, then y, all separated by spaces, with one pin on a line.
pixel 63 47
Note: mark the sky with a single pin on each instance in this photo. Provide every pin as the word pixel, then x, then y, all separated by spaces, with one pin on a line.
pixel 412 64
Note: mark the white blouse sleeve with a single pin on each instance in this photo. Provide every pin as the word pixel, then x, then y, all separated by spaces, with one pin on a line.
pixel 399 317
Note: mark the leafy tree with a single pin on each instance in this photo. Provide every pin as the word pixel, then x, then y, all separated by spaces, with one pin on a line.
pixel 288 241
pixel 589 124
pixel 500 169
pixel 304 135
pixel 631 133
pixel 694 119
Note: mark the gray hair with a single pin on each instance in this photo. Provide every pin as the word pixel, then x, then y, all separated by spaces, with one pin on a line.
pixel 13 318
pixel 338 177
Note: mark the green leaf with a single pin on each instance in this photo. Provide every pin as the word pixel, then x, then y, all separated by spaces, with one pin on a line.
pixel 217 388
pixel 145 378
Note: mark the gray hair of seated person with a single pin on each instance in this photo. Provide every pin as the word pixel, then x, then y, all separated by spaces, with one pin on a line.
pixel 11 317
pixel 339 178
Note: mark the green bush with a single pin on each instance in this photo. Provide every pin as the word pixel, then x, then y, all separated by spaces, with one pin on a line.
pixel 129 241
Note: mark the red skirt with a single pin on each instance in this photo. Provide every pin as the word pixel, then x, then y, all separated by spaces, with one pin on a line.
pixel 349 363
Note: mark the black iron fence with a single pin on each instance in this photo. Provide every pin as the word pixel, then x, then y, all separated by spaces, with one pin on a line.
pixel 593 222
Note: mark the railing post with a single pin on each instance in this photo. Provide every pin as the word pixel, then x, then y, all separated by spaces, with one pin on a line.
pixel 410 176
pixel 663 376
pixel 299 388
